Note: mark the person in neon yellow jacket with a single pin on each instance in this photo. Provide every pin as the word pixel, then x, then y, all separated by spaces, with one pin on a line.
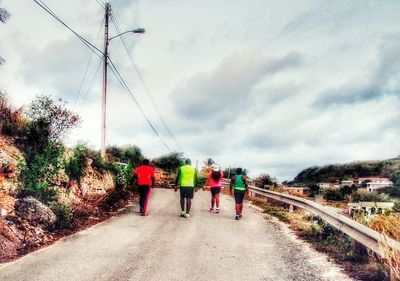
pixel 186 180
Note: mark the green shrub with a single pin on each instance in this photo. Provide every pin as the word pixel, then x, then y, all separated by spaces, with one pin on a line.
pixel 41 191
pixel 64 215
pixel 279 213
pixel 366 196
pixel 393 191
pixel 333 195
pixel 75 167
pixel 37 175
pixel 128 154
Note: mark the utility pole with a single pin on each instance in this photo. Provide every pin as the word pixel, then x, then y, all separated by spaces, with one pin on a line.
pixel 104 94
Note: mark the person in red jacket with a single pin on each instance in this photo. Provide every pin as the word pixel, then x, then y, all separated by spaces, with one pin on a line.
pixel 215 181
pixel 145 181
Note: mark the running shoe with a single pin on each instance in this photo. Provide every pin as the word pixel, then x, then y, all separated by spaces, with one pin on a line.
pixel 237 217
pixel 183 214
pixel 211 209
pixel 187 215
pixel 217 211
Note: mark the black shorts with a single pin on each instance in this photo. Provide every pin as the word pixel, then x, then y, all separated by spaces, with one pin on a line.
pixel 186 192
pixel 239 196
pixel 215 190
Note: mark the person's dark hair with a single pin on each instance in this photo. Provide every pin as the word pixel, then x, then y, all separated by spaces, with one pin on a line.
pixel 146 162
pixel 187 161
pixel 216 175
pixel 239 171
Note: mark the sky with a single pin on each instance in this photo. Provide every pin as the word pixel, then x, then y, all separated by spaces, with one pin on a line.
pixel 271 86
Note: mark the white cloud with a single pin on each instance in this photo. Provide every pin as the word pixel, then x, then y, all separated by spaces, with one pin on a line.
pixel 237 81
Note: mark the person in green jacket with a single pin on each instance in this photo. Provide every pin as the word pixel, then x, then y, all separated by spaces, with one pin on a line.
pixel 186 180
pixel 240 186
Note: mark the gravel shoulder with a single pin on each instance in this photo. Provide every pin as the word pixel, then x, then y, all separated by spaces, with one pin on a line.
pixel 163 246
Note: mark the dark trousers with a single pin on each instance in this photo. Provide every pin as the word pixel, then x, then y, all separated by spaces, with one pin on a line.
pixel 144 191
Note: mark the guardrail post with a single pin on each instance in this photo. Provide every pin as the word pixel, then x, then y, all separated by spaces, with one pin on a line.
pixel 291 209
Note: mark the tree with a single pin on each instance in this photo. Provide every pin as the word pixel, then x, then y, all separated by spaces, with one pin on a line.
pixel 395 177
pixel 49 121
pixel 126 154
pixel 346 190
pixel 314 189
pixel 4 16
pixel 230 172
pixel 333 195
pixel 170 162
pixel 264 179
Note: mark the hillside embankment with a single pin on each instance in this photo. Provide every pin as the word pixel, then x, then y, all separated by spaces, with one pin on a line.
pixel 338 172
pixel 27 224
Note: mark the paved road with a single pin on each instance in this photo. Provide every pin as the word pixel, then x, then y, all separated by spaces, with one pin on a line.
pixel 163 246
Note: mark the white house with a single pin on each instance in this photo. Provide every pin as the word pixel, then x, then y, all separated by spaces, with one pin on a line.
pixel 375 183
pixel 346 182
pixel 325 185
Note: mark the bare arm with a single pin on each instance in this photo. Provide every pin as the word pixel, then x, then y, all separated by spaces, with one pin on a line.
pixel 246 184
pixel 233 179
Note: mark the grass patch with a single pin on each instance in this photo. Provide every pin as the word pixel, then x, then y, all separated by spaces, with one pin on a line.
pixel 354 258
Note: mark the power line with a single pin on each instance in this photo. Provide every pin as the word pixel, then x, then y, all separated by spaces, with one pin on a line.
pixel 83 40
pixel 101 3
pixel 129 52
pixel 91 82
pixel 127 89
pixel 87 66
pixel 112 66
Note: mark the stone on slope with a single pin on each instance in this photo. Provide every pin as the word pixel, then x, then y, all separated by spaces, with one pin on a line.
pixel 35 212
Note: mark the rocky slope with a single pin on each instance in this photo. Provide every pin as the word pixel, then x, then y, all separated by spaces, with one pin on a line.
pixel 25 226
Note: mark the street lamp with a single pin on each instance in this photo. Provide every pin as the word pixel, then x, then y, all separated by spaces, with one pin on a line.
pixel 137 30
pixel 105 66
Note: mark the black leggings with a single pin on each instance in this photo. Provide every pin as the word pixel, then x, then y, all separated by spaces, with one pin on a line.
pixel 143 194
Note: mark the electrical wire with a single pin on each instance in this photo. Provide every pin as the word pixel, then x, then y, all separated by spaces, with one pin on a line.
pixel 111 65
pixel 92 80
pixel 127 89
pixel 147 91
pixel 88 64
pixel 82 39
pixel 101 3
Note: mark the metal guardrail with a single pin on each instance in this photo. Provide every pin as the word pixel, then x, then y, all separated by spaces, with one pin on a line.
pixel 361 233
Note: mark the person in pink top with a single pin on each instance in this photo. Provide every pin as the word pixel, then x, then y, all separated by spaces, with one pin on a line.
pixel 215 181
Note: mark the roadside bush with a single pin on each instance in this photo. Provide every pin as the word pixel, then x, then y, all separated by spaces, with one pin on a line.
pixel 41 191
pixel 387 224
pixel 131 153
pixel 365 195
pixel 75 167
pixel 64 215
pixel 122 174
pixel 280 213
pixel 37 175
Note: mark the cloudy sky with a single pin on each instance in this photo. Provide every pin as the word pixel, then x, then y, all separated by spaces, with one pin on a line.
pixel 274 86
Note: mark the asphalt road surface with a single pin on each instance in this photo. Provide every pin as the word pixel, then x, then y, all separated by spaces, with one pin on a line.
pixel 164 246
